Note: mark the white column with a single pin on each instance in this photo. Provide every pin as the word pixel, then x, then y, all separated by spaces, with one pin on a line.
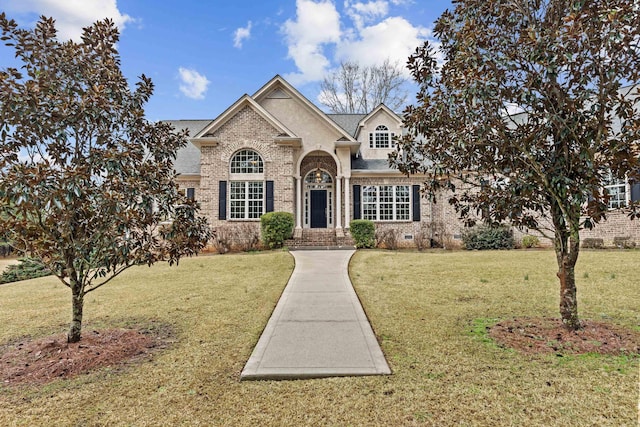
pixel 347 201
pixel 338 202
pixel 299 207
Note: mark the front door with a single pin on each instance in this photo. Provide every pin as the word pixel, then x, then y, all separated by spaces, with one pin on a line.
pixel 318 208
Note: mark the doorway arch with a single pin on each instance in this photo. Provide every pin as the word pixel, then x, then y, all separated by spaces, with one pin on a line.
pixel 318 199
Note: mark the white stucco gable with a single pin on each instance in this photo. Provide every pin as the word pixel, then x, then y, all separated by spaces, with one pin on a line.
pixel 375 132
pixel 316 130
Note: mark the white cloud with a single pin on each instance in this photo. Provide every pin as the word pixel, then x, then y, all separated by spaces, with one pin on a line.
pixel 241 34
pixel 394 38
pixel 318 40
pixel 193 84
pixel 364 13
pixel 71 15
pixel 316 25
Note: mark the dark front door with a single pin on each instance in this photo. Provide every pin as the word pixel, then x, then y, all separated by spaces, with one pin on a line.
pixel 318 208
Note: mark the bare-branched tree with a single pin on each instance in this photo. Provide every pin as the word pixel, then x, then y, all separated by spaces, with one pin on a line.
pixel 353 88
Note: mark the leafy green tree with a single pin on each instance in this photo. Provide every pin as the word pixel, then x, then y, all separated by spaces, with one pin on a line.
pixel 86 182
pixel 534 105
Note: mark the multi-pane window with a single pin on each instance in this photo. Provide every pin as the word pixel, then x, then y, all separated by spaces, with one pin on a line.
pixel 246 192
pixel 246 199
pixel 617 191
pixel 386 202
pixel 247 161
pixel 381 138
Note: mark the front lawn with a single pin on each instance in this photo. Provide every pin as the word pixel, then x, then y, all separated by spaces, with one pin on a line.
pixel 428 310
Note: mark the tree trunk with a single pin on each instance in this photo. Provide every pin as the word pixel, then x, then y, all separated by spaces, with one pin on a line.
pixel 77 303
pixel 568 293
pixel 567 247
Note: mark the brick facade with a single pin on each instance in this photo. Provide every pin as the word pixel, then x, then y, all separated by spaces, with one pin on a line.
pixel 294 138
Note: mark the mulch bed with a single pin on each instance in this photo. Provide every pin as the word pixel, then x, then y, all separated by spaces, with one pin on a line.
pixel 549 336
pixel 39 361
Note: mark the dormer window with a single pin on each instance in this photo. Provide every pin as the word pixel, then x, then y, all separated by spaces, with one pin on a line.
pixel 381 138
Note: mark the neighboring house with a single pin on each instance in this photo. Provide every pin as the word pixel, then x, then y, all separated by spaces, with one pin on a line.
pixel 277 151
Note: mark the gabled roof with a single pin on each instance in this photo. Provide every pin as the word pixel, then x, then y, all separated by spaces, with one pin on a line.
pixel 244 101
pixel 348 122
pixel 375 111
pixel 278 81
pixel 188 157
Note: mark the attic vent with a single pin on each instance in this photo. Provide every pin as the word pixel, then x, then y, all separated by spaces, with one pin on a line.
pixel 278 94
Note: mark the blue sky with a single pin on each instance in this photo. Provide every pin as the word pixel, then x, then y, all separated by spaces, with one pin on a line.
pixel 203 55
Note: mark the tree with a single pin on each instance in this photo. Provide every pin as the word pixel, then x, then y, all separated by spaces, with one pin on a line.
pixel 353 88
pixel 534 106
pixel 85 180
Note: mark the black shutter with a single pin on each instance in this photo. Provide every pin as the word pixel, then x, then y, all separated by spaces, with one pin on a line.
pixel 371 140
pixel 416 202
pixel 356 202
pixel 635 192
pixel 222 200
pixel 269 201
pixel 191 193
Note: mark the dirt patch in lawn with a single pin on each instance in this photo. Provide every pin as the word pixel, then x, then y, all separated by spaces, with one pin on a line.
pixel 39 361
pixel 548 335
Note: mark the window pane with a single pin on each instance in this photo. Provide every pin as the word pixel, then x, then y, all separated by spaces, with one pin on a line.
pixel 247 161
pixel 246 199
pixel 617 191
pixel 369 198
pixel 386 203
pixel 402 203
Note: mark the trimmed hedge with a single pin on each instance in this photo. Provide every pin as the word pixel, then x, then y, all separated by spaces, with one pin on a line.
pixel 488 237
pixel 276 227
pixel 363 232
pixel 593 243
pixel 27 268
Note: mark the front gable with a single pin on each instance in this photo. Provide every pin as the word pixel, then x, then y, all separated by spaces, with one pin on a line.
pixel 376 131
pixel 316 130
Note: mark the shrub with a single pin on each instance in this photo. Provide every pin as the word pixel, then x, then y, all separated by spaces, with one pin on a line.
pixel 276 228
pixel 5 249
pixel 421 240
pixel 623 242
pixel 222 237
pixel 488 237
pixel 592 243
pixel 27 268
pixel 247 237
pixel 530 241
pixel 363 232
pixel 388 239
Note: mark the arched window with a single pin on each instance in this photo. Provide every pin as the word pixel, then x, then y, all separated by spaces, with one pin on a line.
pixel 381 138
pixel 247 161
pixel 247 186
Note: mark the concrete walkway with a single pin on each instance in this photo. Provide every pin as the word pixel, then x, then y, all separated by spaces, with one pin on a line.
pixel 318 328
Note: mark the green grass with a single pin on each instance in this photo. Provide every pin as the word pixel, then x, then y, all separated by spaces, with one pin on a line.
pixel 428 310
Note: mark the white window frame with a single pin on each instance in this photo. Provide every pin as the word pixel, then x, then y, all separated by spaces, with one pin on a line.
pixel 377 210
pixel 381 138
pixel 245 202
pixel 246 161
pixel 617 198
